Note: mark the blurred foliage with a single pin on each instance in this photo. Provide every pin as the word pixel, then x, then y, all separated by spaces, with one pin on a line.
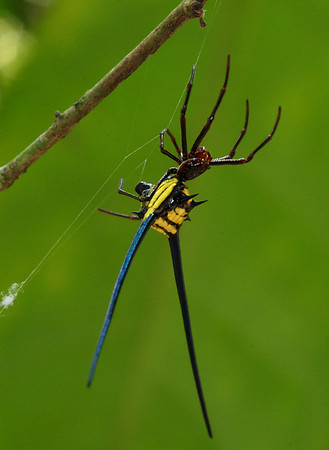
pixel 255 255
pixel 29 12
pixel 18 19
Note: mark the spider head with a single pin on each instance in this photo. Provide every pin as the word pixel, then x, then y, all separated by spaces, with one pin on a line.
pixel 195 164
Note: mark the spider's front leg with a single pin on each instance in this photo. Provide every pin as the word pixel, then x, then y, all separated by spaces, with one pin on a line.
pixel 211 118
pixel 173 140
pixel 243 132
pixel 183 114
pixel 227 161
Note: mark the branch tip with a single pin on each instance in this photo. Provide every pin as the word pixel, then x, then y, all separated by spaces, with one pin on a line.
pixel 202 22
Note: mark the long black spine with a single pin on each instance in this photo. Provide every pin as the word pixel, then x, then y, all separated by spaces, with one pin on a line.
pixel 177 263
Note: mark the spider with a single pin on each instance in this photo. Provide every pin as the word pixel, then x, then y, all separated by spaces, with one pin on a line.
pixel 166 205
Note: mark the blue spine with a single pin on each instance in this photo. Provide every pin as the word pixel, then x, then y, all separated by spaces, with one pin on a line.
pixel 139 236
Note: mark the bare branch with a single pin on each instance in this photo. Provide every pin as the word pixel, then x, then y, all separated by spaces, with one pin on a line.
pixel 64 122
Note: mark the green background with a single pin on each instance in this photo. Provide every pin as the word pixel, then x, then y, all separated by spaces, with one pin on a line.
pixel 254 256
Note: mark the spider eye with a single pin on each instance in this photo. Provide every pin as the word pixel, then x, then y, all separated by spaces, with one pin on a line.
pixel 143 188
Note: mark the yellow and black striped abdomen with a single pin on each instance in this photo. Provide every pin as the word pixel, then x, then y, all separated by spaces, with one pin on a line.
pixel 171 203
pixel 171 222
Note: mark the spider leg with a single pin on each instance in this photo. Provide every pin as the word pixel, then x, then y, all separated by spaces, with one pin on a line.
pixel 139 236
pixel 128 194
pixel 207 126
pixel 243 132
pixel 183 112
pixel 223 161
pixel 125 216
pixel 173 140
pixel 177 263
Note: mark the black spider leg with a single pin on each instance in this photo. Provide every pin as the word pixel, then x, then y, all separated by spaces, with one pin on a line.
pixel 207 126
pixel 128 194
pixel 182 154
pixel 164 151
pixel 224 160
pixel 243 132
pixel 183 113
pixel 113 213
pixel 177 263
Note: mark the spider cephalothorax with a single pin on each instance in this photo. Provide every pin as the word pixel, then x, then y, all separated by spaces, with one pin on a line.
pixel 194 166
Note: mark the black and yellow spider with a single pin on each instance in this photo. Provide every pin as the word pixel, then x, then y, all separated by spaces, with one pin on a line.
pixel 166 205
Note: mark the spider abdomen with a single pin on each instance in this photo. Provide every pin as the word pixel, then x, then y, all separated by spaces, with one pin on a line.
pixel 170 203
pixel 173 219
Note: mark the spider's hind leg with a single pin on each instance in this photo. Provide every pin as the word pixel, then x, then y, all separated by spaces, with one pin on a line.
pixel 125 216
pixel 128 194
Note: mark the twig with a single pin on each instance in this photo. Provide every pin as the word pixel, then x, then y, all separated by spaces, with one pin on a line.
pixel 64 122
